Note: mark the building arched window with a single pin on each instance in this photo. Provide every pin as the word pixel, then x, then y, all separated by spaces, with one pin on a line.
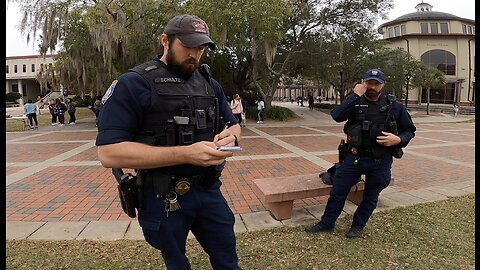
pixel 441 60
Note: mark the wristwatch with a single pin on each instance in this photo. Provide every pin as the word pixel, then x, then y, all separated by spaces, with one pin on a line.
pixel 236 140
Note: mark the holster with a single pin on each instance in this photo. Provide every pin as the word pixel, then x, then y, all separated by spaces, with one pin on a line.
pixel 129 192
pixel 396 152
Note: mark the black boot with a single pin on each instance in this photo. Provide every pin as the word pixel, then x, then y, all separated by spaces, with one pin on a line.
pixel 318 228
pixel 355 232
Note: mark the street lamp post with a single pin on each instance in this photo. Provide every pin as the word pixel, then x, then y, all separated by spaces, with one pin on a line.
pixel 408 76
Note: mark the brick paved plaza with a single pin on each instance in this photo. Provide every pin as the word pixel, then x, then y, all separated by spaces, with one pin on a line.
pixel 53 174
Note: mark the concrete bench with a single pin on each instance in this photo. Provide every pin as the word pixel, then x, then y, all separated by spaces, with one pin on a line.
pixel 278 193
pixel 22 119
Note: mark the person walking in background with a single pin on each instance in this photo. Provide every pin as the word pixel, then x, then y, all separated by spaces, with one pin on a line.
pixel 60 108
pixel 30 110
pixel 244 113
pixel 51 108
pixel 71 109
pixel 377 128
pixel 455 110
pixel 237 108
pixel 310 102
pixel 260 108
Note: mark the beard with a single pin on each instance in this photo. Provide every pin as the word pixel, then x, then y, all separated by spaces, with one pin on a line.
pixel 184 69
pixel 372 94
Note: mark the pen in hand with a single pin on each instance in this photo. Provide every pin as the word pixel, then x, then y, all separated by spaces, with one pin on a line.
pixel 226 126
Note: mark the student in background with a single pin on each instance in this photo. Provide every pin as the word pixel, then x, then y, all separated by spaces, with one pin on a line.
pixel 30 110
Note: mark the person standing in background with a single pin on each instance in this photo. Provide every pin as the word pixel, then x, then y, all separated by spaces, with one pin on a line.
pixel 96 109
pixel 237 108
pixel 60 108
pixel 30 110
pixel 260 108
pixel 71 109
pixel 51 108
pixel 455 110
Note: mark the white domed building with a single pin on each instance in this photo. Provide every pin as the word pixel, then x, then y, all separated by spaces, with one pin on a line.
pixel 440 40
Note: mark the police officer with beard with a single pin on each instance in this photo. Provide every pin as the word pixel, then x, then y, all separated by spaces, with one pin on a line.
pixel 163 118
pixel 377 128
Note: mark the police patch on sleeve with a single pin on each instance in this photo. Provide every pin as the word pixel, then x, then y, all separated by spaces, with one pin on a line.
pixel 109 92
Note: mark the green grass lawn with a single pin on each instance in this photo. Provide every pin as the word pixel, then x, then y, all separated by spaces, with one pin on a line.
pixel 45 119
pixel 437 235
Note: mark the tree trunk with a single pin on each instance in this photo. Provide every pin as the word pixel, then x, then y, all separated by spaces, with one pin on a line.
pixel 428 100
pixel 268 102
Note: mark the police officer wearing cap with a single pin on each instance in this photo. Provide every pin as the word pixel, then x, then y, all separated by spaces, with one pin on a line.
pixel 377 128
pixel 165 118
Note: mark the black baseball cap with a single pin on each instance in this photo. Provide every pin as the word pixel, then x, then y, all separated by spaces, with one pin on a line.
pixel 191 30
pixel 374 74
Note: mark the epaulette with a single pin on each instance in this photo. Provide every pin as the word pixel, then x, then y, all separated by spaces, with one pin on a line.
pixel 146 67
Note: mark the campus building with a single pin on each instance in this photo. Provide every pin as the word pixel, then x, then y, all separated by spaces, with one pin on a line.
pixel 437 39
pixel 440 40
pixel 21 75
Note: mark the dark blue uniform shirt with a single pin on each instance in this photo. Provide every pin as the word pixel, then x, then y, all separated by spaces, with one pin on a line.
pixel 125 102
pixel 405 126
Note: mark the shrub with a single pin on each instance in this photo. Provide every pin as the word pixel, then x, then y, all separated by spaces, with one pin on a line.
pixel 275 112
pixel 324 105
pixel 278 113
pixel 12 97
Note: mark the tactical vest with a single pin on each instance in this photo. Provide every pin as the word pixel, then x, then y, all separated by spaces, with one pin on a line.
pixel 181 112
pixel 369 121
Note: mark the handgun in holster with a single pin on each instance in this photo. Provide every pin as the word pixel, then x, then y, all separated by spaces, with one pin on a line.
pixel 129 191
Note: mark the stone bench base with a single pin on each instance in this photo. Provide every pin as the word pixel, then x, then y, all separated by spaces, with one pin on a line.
pixel 278 193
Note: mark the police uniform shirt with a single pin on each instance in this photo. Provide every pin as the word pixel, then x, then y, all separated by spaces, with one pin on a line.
pixel 405 126
pixel 125 102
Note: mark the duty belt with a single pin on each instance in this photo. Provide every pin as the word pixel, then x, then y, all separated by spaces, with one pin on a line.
pixel 366 151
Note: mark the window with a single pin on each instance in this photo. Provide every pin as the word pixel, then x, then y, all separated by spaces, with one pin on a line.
pixel 15 68
pixel 24 68
pixel 444 28
pixel 470 30
pixel 464 28
pixel 33 67
pixel 434 28
pixel 41 67
pixel 396 30
pixel 7 69
pixel 403 29
pixel 390 32
pixel 441 60
pixel 424 28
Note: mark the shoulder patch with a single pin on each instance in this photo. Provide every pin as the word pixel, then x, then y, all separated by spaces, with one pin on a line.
pixel 109 92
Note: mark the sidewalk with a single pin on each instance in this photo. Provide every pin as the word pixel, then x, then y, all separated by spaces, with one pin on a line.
pixel 57 189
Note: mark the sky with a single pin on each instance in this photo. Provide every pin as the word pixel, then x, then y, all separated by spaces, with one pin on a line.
pixel 16 43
